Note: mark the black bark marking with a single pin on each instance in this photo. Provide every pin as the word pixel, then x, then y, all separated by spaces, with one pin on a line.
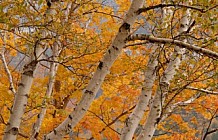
pixel 115 48
pixel 55 132
pixel 149 135
pixel 29 68
pixel 48 3
pixel 89 92
pixel 125 26
pixel 70 117
pixel 126 122
pixel 109 51
pixel 26 95
pixel 36 135
pixel 182 25
pixel 158 120
pixel 69 126
pixel 21 84
pixel 100 65
pixel 14 130
pixel 38 116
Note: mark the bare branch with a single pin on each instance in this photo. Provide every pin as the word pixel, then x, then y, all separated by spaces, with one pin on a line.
pixel 2 56
pixel 145 9
pixel 203 90
pixel 182 44
pixel 208 127
pixel 171 108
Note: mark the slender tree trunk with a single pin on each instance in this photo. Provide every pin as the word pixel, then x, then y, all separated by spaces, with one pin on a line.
pixel 21 97
pixel 103 69
pixel 137 114
pixel 159 98
pixel 146 93
pixel 53 70
pixel 2 57
pixel 41 115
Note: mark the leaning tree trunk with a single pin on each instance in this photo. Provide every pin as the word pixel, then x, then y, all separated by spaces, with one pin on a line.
pixel 20 101
pixel 157 103
pixel 133 120
pixel 103 69
pixel 150 74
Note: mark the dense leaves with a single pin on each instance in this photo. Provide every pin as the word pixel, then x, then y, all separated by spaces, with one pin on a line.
pixel 83 30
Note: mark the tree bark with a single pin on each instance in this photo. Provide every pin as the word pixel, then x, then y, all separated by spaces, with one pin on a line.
pixel 155 113
pixel 103 69
pixel 21 97
pixel 133 120
pixel 150 75
pixel 41 115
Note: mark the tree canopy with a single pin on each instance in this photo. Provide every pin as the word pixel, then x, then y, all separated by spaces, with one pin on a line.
pixel 108 69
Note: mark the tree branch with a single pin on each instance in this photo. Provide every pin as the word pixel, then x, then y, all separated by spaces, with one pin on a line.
pixel 2 56
pixel 203 90
pixel 182 103
pixel 182 44
pixel 208 127
pixel 145 9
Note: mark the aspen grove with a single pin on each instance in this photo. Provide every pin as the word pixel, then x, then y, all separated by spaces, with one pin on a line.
pixel 108 69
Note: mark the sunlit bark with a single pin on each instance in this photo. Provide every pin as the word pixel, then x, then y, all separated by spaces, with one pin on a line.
pixel 20 101
pixel 155 112
pixel 137 114
pixel 103 69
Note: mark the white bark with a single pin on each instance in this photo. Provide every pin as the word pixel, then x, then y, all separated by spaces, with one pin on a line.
pixel 137 114
pixel 146 93
pixel 203 90
pixel 103 69
pixel 21 97
pixel 171 108
pixel 5 65
pixel 41 115
pixel 182 44
pixel 8 73
pixel 154 115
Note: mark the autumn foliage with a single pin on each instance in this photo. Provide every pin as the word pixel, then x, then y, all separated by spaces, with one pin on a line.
pixel 80 39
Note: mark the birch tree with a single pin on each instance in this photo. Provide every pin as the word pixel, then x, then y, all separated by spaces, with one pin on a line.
pixel 158 101
pixel 146 93
pixel 21 96
pixel 103 68
pixel 115 61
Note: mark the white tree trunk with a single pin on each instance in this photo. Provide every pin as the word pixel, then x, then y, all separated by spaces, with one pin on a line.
pixel 41 115
pixel 21 97
pixel 103 69
pixel 157 104
pixel 146 93
pixel 137 114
